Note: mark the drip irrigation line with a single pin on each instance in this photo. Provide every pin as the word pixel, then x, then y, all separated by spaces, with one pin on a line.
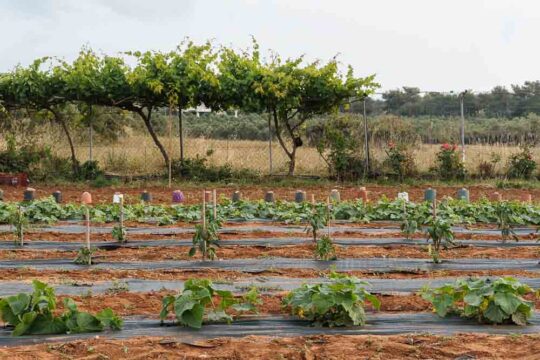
pixel 255 265
pixel 265 285
pixel 264 242
pixel 377 324
pixel 79 229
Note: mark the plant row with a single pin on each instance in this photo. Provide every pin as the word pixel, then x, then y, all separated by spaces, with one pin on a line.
pixel 459 212
pixel 338 302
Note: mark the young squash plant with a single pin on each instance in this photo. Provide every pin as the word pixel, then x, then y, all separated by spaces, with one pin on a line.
pixel 325 249
pixel 440 232
pixel 409 223
pixel 195 304
pixel 320 217
pixel 119 233
pixel 497 301
pixel 84 256
pixel 19 220
pixel 34 314
pixel 506 219
pixel 206 237
pixel 337 303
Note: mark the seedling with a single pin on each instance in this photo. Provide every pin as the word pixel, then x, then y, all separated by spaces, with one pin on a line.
pixel 84 256
pixel 440 232
pixel 409 224
pixel 206 237
pixel 325 249
pixel 119 232
pixel 19 221
pixel 506 219
pixel 500 301
pixel 317 220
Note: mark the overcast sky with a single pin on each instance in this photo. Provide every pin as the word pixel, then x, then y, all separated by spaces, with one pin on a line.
pixel 432 44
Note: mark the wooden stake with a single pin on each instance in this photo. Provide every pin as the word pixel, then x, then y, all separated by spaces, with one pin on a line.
pixel 170 148
pixel 328 213
pixel 88 235
pixel 434 209
pixel 214 200
pixel 313 199
pixel 122 216
pixel 21 226
pixel 204 209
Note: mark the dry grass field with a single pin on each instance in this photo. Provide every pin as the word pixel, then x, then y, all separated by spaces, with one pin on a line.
pixel 137 154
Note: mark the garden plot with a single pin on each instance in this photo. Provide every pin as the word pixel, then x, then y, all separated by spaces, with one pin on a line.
pixel 134 276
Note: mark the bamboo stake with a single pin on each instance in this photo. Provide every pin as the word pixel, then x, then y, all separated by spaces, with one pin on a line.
pixel 203 210
pixel 313 199
pixel 214 200
pixel 21 227
pixel 170 148
pixel 328 213
pixel 88 235
pixel 122 216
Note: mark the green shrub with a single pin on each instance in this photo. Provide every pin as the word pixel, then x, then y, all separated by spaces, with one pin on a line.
pixel 90 170
pixel 400 161
pixel 19 159
pixel 496 302
pixel 338 143
pixel 449 165
pixel 521 165
pixel 197 169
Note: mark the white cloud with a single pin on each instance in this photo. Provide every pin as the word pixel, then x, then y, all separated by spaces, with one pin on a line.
pixel 436 45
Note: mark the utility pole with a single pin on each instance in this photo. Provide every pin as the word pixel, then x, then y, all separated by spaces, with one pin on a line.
pixel 91 145
pixel 270 142
pixel 461 98
pixel 366 140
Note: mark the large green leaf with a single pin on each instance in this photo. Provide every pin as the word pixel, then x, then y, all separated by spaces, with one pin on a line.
pixel 86 323
pixel 494 313
pixel 18 303
pixel 25 324
pixel 6 314
pixel 109 319
pixel 193 317
pixel 507 301
pixel 47 324
pixel 443 304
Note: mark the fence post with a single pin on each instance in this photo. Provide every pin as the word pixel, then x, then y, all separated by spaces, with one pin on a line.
pixel 461 96
pixel 366 139
pixel 270 143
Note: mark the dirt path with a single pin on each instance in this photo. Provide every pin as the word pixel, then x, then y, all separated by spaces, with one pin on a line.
pixel 217 275
pixel 289 251
pixel 412 346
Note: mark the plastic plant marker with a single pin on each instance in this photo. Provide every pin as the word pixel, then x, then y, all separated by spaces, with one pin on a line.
pixel 335 196
pixel 177 197
pixel 364 194
pixel 214 203
pixel 86 198
pixel 403 196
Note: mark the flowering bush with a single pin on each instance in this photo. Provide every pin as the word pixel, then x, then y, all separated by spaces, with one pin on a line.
pixel 449 165
pixel 521 165
pixel 399 161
